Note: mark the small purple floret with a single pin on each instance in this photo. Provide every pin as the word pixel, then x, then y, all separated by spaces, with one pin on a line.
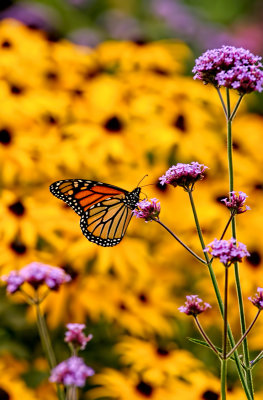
pixel 231 67
pixel 72 371
pixel 257 300
pixel 236 202
pixel 228 251
pixel 76 337
pixel 193 306
pixel 13 280
pixel 147 209
pixel 184 175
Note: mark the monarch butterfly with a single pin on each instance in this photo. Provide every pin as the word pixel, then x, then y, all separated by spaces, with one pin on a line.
pixel 105 210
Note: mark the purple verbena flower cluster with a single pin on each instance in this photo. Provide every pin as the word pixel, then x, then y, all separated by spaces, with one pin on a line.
pixel 236 202
pixel 193 306
pixel 231 67
pixel 228 251
pixel 147 209
pixel 257 300
pixel 36 274
pixel 76 337
pixel 184 175
pixel 72 371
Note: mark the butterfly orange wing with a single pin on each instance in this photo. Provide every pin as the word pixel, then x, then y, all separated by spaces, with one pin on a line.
pixel 105 210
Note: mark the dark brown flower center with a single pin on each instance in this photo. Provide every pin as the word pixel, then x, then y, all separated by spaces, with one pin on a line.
pixel 4 395
pixel 113 124
pixel 18 247
pixel 17 208
pixel 254 258
pixel 5 137
pixel 210 395
pixel 162 352
pixel 144 388
pixel 6 44
pixel 143 298
pixel 180 123
pixel 15 89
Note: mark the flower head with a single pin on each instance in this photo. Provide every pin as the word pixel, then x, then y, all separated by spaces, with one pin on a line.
pixel 72 371
pixel 228 251
pixel 257 300
pixel 236 202
pixel 231 67
pixel 36 274
pixel 193 306
pixel 76 337
pixel 184 175
pixel 147 209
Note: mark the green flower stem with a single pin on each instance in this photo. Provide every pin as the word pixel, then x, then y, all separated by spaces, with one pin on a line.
pixel 257 358
pixel 179 240
pixel 224 232
pixel 237 278
pixel 219 300
pixel 206 338
pixel 222 101
pixel 224 344
pixel 72 393
pixel 243 337
pixel 229 144
pixel 232 116
pixel 46 343
pixel 223 379
pixel 198 227
pixel 45 338
pixel 227 225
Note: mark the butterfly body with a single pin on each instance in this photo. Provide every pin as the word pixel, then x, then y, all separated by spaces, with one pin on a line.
pixel 105 210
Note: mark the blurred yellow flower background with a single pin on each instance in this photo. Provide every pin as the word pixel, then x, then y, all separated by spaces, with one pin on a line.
pixel 114 114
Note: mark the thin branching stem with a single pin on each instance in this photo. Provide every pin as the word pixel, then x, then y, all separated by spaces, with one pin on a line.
pixel 224 232
pixel 257 358
pixel 245 334
pixel 224 346
pixel 220 302
pixel 180 241
pixel 46 343
pixel 206 338
pixel 232 116
pixel 222 101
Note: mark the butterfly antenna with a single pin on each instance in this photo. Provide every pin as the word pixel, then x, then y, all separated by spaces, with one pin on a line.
pixel 149 184
pixel 142 180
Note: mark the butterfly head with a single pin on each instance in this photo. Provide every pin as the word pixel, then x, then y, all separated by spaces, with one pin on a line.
pixel 132 198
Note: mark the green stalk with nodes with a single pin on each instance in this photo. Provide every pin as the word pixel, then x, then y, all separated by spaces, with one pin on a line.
pixel 242 71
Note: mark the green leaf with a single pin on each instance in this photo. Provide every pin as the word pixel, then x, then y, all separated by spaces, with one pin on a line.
pixel 203 343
